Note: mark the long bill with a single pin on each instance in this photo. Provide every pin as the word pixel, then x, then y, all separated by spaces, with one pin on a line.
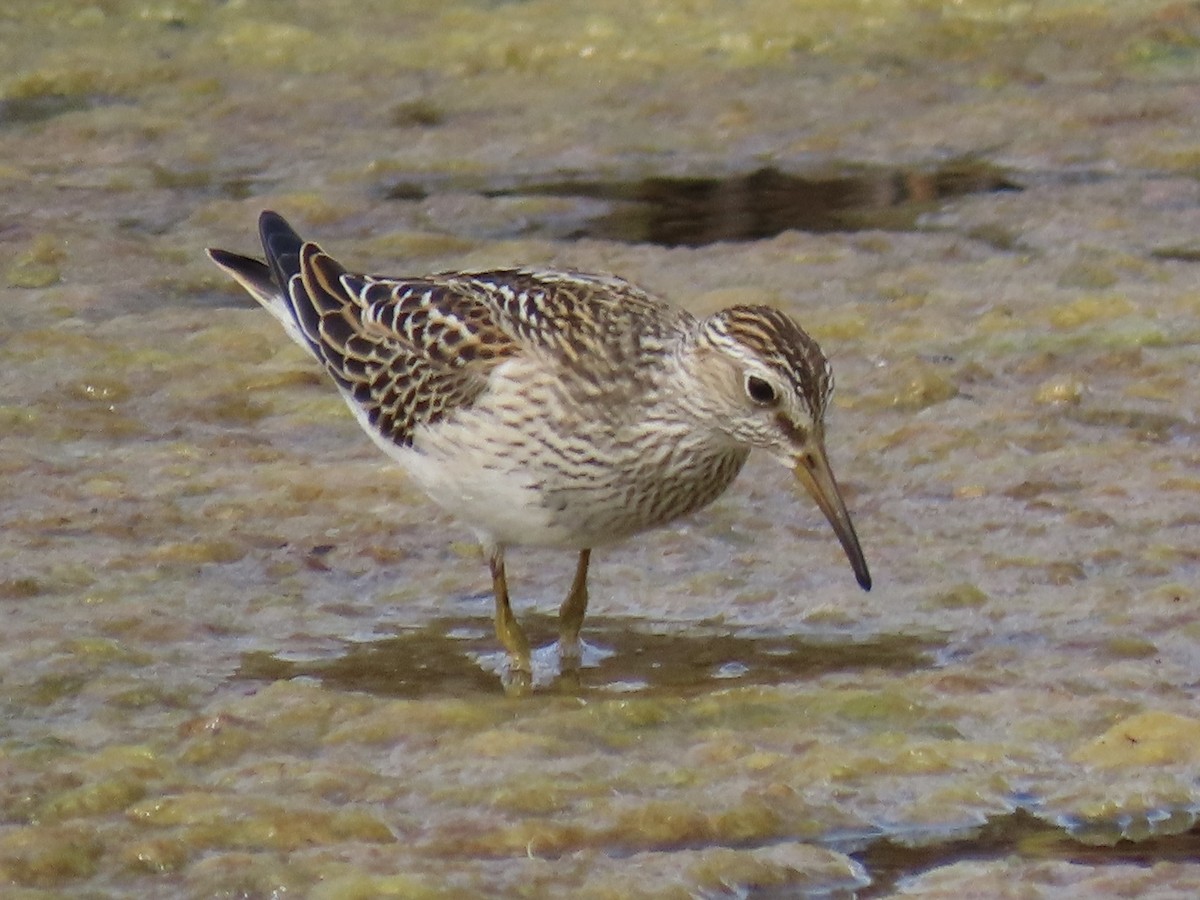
pixel 812 470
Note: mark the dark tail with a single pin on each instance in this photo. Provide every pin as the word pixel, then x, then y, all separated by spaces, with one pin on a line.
pixel 270 283
pixel 281 245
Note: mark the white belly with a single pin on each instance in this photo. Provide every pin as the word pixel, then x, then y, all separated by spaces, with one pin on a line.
pixel 537 486
pixel 499 506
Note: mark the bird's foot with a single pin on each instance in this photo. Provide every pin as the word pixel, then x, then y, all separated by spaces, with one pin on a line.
pixel 556 664
pixel 576 654
pixel 517 682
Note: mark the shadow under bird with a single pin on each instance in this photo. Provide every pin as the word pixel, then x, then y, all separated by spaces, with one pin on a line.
pixel 554 408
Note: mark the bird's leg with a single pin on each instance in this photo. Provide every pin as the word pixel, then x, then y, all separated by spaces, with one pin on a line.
pixel 572 611
pixel 508 629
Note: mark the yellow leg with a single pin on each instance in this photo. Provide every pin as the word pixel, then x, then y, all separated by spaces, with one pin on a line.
pixel 508 629
pixel 573 609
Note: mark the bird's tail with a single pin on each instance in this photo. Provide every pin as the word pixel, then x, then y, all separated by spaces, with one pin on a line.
pixel 269 283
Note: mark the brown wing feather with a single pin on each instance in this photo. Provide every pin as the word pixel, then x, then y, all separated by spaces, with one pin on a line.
pixel 440 321
pixel 389 345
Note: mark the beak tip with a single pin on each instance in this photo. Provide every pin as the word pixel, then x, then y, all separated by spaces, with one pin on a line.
pixel 818 479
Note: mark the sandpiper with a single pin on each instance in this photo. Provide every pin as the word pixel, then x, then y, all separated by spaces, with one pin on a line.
pixel 554 408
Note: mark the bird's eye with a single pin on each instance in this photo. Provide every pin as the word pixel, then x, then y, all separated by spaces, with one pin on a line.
pixel 760 391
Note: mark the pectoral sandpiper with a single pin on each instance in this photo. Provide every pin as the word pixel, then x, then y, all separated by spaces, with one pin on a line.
pixel 554 408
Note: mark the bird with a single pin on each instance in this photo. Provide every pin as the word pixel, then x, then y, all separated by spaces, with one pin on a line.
pixel 554 407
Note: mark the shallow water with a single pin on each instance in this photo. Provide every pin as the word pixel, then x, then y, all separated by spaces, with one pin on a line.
pixel 625 657
pixel 761 204
pixel 241 655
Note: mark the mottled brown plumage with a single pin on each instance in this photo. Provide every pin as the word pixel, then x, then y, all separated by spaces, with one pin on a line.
pixel 554 407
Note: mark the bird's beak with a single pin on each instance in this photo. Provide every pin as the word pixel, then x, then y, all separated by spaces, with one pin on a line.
pixel 812 470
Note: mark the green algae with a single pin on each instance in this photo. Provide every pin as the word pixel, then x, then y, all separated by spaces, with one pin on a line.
pixel 49 855
pixel 38 267
pixel 241 657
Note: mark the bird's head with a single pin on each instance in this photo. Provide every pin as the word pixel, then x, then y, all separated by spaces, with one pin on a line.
pixel 768 384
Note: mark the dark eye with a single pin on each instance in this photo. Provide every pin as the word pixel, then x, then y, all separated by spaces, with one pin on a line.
pixel 760 391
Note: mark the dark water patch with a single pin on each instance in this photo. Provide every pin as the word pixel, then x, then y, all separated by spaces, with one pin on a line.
pixel 169 293
pixel 764 203
pixel 1148 426
pixel 889 861
pixel 441 659
pixel 420 112
pixel 207 182
pixel 201 298
pixel 1189 253
pixel 40 107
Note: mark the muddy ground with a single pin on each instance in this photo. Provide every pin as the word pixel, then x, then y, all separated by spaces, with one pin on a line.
pixel 241 656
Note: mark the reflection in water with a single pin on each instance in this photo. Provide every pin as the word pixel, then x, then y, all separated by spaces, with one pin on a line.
pixel 443 659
